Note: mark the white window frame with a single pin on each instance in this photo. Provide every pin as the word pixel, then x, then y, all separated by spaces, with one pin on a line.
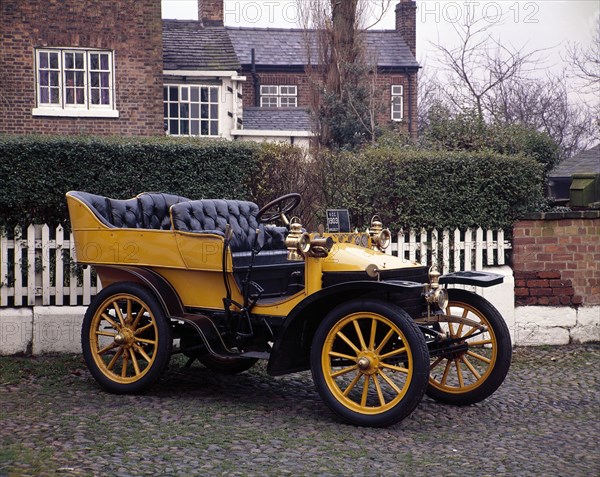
pixel 397 99
pixel 85 109
pixel 279 95
pixel 212 106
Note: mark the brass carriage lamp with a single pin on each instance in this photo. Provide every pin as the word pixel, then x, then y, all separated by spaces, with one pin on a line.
pixel 380 237
pixel 297 242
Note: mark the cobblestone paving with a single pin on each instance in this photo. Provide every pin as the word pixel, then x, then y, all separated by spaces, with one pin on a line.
pixel 54 420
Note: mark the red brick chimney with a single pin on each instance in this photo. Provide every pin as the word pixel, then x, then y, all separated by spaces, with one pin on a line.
pixel 406 23
pixel 210 12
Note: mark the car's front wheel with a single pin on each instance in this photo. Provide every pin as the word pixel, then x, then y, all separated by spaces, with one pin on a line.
pixel 369 362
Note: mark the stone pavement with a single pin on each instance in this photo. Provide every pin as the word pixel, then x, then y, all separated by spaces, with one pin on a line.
pixel 54 420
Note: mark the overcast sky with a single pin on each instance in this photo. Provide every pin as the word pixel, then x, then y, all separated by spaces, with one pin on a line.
pixel 528 24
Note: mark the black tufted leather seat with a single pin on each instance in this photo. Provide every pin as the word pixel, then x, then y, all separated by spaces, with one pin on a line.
pixel 146 211
pixel 212 216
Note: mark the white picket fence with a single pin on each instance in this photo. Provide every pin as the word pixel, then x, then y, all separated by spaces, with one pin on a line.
pixel 452 250
pixel 37 265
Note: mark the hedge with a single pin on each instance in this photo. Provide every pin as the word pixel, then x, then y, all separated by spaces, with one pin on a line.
pixel 36 172
pixel 408 188
pixel 411 188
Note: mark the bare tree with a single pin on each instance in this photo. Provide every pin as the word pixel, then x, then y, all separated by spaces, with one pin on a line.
pixel 586 61
pixel 479 64
pixel 345 97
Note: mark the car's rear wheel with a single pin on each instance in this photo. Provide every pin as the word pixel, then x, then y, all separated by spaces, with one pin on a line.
pixel 126 338
pixel 369 362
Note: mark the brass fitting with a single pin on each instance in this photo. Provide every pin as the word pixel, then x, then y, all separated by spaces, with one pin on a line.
pixel 297 242
pixel 380 237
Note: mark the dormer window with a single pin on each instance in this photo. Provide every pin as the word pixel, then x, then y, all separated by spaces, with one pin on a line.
pixel 278 96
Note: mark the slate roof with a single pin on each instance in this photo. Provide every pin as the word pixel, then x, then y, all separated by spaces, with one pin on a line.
pixel 277 119
pixel 187 45
pixel 287 47
pixel 584 162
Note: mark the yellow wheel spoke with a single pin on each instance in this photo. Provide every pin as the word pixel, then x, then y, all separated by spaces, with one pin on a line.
pixel 446 371
pixel 363 399
pixel 459 331
pixel 143 340
pixel 435 363
pixel 480 343
pixel 363 345
pixel 348 342
pixel 451 329
pixel 390 382
pixel 138 318
pixel 385 340
pixel 141 351
pixel 393 353
pixel 110 321
pixel 344 371
pixel 479 357
pixel 352 384
pixel 373 332
pixel 461 382
pixel 124 366
pixel 471 331
pixel 136 366
pixel 335 354
pixel 107 348
pixel 118 312
pixel 465 312
pixel 114 359
pixel 143 328
pixel 105 333
pixel 394 368
pixel 470 366
pixel 129 315
pixel 379 392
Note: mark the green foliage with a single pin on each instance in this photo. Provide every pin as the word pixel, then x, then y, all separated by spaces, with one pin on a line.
pixel 468 132
pixel 407 186
pixel 36 172
pixel 411 188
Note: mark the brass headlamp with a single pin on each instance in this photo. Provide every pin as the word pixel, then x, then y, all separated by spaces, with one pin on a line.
pixel 434 293
pixel 380 237
pixel 297 242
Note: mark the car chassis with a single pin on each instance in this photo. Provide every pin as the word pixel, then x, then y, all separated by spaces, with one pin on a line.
pixel 218 282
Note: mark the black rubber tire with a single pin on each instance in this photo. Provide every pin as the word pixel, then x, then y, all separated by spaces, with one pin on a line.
pixel 228 365
pixel 500 367
pixel 164 346
pixel 418 352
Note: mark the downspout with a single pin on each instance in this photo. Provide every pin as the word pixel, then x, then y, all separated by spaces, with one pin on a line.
pixel 255 79
pixel 410 105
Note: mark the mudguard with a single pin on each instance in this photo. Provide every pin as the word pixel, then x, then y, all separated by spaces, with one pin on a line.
pixel 292 344
pixel 478 279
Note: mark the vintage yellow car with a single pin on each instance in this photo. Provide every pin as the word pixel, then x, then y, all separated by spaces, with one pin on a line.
pixel 228 284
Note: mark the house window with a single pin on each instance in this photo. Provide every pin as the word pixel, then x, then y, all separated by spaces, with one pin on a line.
pixel 397 102
pixel 285 96
pixel 191 110
pixel 74 82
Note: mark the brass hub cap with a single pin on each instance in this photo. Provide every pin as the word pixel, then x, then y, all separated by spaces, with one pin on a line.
pixel 124 337
pixel 368 362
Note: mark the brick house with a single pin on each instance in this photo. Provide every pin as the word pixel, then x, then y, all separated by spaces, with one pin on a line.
pixel 95 68
pixel 81 67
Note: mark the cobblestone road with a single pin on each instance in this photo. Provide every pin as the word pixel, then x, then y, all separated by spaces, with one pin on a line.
pixel 544 421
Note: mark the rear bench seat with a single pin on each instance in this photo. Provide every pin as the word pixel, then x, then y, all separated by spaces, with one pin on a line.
pixel 146 211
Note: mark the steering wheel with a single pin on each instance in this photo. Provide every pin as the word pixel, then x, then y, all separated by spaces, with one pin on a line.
pixel 278 208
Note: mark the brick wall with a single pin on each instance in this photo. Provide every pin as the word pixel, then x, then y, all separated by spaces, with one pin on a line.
pixel 556 259
pixel 305 90
pixel 131 28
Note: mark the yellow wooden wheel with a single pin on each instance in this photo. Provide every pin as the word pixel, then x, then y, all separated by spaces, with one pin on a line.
pixel 477 363
pixel 126 338
pixel 369 363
